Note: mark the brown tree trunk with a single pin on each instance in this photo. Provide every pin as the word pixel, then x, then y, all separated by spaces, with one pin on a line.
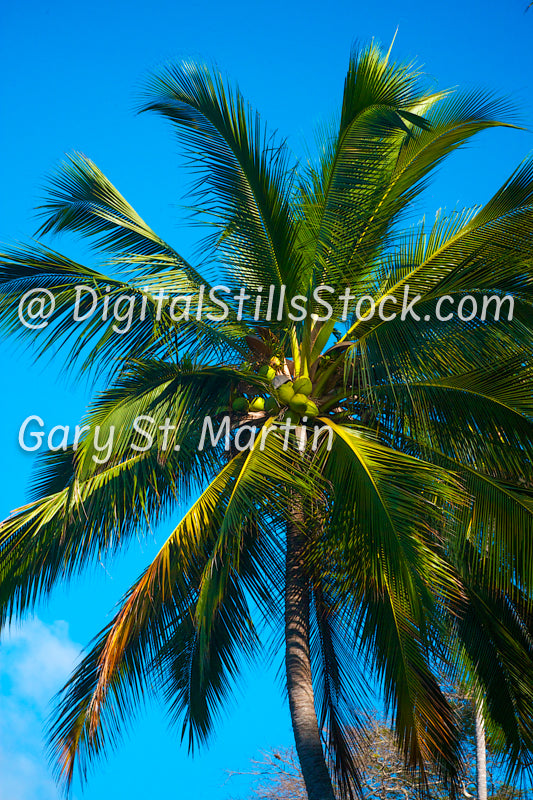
pixel 298 667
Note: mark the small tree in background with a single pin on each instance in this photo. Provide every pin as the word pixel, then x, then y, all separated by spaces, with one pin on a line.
pixel 382 770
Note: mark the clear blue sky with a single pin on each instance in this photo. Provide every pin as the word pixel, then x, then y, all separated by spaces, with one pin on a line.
pixel 70 73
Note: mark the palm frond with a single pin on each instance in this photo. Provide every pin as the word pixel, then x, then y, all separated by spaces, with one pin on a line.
pixel 187 614
pixel 245 174
pixel 462 253
pixel 390 553
pixel 80 198
pixel 102 340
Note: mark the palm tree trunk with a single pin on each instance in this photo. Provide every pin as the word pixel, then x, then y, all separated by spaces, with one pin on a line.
pixel 298 667
pixel 481 753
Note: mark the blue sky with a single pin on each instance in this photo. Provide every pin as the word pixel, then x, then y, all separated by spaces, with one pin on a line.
pixel 70 76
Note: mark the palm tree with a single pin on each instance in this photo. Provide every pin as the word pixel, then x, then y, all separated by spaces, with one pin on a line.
pixel 409 508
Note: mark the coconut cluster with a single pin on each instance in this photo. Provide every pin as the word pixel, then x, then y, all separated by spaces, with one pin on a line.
pixel 242 405
pixel 294 394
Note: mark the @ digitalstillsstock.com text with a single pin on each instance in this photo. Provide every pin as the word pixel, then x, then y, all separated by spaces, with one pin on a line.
pixel 39 306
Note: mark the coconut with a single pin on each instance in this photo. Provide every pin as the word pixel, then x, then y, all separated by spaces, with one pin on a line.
pixel 275 362
pixel 240 404
pixel 271 405
pixel 303 386
pixel 285 393
pixel 311 409
pixel 298 402
pixel 267 372
pixel 257 404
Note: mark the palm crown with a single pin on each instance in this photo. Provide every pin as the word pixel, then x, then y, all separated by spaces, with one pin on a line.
pixel 399 537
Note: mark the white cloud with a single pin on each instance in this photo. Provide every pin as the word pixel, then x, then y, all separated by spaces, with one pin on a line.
pixel 35 661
